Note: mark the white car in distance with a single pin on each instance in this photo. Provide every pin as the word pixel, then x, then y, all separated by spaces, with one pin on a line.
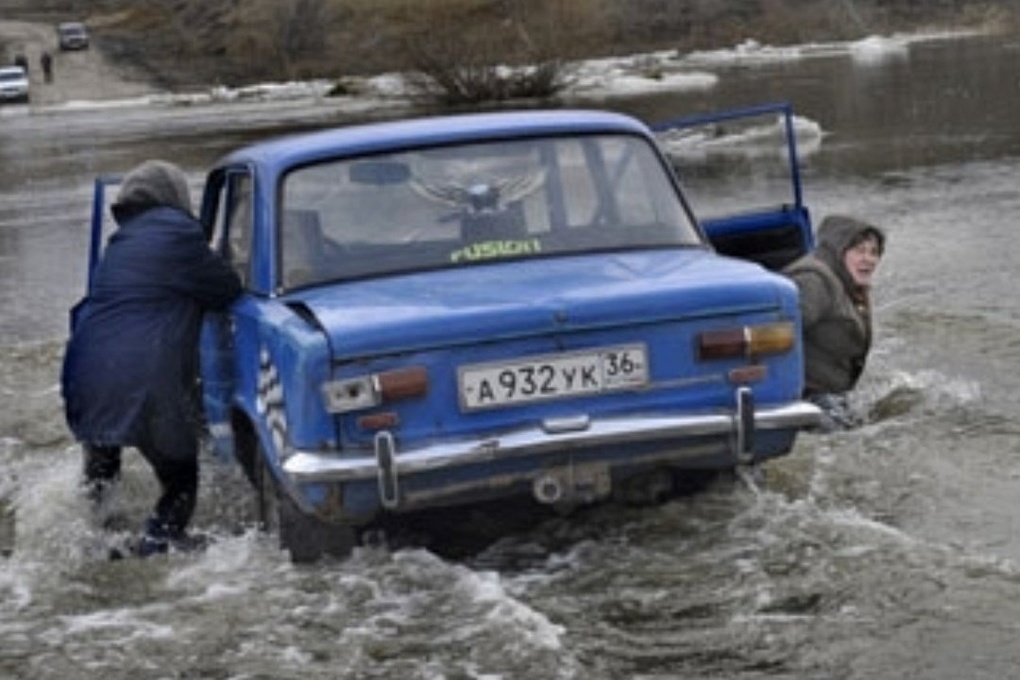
pixel 13 84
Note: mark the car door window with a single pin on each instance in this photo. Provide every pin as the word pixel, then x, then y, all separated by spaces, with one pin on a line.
pixel 238 217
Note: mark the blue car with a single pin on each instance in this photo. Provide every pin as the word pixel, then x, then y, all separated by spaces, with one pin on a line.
pixel 469 308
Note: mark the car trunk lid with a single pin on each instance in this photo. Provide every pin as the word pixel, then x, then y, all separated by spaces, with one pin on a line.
pixel 499 302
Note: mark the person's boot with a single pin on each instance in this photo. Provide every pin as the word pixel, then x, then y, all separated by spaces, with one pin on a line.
pixel 100 480
pixel 159 539
pixel 165 529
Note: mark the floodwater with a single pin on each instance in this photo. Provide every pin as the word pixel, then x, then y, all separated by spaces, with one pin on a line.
pixel 892 551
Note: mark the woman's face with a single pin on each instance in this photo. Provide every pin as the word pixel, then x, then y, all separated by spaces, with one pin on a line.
pixel 862 261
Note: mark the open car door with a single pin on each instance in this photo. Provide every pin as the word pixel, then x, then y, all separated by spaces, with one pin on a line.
pixel 102 225
pixel 740 169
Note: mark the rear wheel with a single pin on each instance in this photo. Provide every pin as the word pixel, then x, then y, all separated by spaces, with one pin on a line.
pixel 306 537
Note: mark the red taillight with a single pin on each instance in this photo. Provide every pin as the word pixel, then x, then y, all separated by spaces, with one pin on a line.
pixel 404 383
pixel 722 344
pixel 747 342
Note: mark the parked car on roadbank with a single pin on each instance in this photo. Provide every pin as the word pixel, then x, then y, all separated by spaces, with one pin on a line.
pixel 14 85
pixel 480 307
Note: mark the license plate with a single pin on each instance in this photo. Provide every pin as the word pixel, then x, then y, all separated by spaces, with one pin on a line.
pixel 553 376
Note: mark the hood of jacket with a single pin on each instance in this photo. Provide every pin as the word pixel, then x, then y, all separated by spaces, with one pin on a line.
pixel 152 184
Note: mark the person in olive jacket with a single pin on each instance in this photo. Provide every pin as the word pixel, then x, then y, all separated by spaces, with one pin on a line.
pixel 130 370
pixel 835 283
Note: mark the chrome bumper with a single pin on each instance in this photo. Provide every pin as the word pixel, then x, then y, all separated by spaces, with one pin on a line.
pixel 554 436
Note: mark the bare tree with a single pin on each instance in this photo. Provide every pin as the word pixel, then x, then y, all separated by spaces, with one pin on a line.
pixel 473 51
pixel 301 31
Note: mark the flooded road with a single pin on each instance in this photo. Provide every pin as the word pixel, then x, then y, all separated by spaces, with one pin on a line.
pixel 889 552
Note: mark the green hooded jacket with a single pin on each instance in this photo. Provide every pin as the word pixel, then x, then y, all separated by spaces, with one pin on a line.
pixel 836 312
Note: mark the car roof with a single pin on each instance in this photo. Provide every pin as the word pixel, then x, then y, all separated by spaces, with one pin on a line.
pixel 281 153
pixel 8 70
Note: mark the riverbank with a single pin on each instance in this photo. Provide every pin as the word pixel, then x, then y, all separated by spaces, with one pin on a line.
pixel 187 44
pixel 88 80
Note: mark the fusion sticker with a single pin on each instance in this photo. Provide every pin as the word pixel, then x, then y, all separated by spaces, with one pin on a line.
pixel 486 250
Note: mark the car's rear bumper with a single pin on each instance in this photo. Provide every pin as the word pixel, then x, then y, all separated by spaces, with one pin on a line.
pixel 665 440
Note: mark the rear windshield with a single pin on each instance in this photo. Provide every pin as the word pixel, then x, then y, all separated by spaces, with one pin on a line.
pixel 462 205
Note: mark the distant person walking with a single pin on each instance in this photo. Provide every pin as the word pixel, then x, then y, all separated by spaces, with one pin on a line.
pixel 20 60
pixel 46 60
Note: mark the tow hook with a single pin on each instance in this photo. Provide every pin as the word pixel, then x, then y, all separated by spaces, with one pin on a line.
pixel 744 425
pixel 389 490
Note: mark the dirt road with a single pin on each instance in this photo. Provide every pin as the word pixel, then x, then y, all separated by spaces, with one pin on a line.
pixel 83 75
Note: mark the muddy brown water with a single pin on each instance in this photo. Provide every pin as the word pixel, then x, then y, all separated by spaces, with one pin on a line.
pixel 889 552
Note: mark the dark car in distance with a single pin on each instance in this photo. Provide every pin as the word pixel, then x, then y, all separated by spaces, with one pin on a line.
pixel 73 35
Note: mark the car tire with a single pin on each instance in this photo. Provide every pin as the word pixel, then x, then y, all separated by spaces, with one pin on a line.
pixel 306 537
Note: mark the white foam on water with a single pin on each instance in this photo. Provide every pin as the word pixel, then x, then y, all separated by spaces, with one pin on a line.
pixel 399 601
pixel 533 629
pixel 769 138
pixel 896 394
pixel 15 591
pixel 53 519
pixel 119 626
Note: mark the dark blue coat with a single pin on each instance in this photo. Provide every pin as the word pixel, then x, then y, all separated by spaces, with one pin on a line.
pixel 131 366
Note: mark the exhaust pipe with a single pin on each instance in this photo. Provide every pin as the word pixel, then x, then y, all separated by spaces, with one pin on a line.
pixel 547 489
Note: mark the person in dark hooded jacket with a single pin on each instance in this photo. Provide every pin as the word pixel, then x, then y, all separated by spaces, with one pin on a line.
pixel 835 283
pixel 131 364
